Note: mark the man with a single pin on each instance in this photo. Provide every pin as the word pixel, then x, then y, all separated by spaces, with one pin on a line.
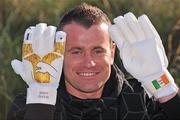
pixel 91 85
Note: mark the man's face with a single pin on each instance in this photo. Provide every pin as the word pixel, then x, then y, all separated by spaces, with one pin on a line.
pixel 88 59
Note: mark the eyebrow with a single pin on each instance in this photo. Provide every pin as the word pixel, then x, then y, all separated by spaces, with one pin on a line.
pixel 80 48
pixel 99 47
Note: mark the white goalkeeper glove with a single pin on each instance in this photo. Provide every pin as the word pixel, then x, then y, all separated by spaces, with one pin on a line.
pixel 143 54
pixel 42 61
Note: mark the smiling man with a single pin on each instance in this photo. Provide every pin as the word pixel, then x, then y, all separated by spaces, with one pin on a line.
pixel 88 59
pixel 92 87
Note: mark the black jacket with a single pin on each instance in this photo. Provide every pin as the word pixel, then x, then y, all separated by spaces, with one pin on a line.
pixel 121 99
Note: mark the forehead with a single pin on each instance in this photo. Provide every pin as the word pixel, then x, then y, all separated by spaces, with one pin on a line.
pixel 77 28
pixel 78 34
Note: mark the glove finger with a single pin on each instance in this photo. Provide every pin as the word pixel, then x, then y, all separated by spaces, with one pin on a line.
pixel 150 32
pixel 116 35
pixel 49 37
pixel 60 42
pixel 27 42
pixel 18 69
pixel 38 31
pixel 147 27
pixel 28 35
pixel 124 28
pixel 134 26
pixel 17 66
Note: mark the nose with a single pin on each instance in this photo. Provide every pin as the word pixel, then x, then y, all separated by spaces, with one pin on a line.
pixel 88 61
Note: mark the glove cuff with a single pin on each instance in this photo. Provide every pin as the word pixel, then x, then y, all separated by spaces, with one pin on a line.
pixel 160 87
pixel 41 94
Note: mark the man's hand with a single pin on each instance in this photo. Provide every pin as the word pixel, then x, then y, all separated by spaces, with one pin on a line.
pixel 143 54
pixel 42 61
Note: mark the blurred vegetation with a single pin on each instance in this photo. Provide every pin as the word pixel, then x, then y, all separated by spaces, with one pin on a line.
pixel 17 15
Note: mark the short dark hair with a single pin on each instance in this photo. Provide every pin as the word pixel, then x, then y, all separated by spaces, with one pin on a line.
pixel 84 14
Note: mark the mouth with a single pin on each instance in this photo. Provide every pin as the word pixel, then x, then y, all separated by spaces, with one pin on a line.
pixel 87 74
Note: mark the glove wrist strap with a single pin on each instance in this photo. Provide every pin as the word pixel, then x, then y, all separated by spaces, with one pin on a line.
pixel 160 87
pixel 44 95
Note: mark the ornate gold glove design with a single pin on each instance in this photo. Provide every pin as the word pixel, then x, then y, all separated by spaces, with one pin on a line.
pixel 29 55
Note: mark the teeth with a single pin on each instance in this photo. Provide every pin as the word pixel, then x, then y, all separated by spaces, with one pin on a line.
pixel 86 74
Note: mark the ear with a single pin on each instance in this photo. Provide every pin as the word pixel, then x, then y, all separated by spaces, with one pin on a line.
pixel 113 48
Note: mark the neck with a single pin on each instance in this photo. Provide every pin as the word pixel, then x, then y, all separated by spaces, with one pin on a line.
pixel 82 94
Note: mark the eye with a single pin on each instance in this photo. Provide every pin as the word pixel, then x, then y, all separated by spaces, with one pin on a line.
pixel 76 52
pixel 98 50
